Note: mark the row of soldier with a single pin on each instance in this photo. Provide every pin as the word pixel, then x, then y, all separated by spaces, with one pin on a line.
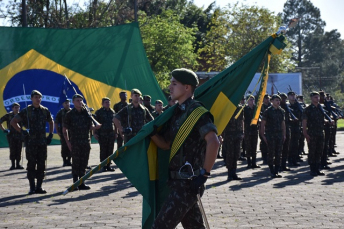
pixel 75 128
pixel 282 129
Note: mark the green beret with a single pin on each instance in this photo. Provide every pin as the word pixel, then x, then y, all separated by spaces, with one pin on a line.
pixel 291 93
pixel 250 96
pixel 158 102
pixel 15 104
pixel 105 99
pixel 147 98
pixel 300 97
pixel 266 95
pixel 136 91
pixel 77 96
pixel 313 93
pixel 35 92
pixel 283 95
pixel 275 96
pixel 185 76
pixel 123 92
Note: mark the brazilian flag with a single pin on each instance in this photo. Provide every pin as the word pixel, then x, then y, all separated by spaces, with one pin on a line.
pixel 145 165
pixel 99 62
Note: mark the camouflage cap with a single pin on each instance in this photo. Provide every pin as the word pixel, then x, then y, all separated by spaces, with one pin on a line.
pixel 274 96
pixel 35 92
pixel 77 96
pixel 185 76
pixel 158 102
pixel 105 99
pixel 291 93
pixel 15 104
pixel 313 93
pixel 136 91
pixel 283 95
pixel 147 98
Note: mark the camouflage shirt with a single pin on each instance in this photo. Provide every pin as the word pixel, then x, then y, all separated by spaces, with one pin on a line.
pixel 137 119
pixel 298 114
pixel 155 114
pixel 264 107
pixel 193 148
pixel 38 117
pixel 315 120
pixel 151 108
pixel 105 118
pixel 59 118
pixel 119 106
pixel 78 125
pixel 248 116
pixel 234 127
pixel 274 118
pixel 13 132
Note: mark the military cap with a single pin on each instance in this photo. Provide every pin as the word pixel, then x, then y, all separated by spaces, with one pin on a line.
pixel 136 91
pixel 266 95
pixel 300 97
pixel 123 92
pixel 158 102
pixel 147 98
pixel 313 93
pixel 67 100
pixel 274 96
pixel 185 76
pixel 15 104
pixel 105 99
pixel 322 93
pixel 77 96
pixel 291 93
pixel 283 95
pixel 250 96
pixel 35 92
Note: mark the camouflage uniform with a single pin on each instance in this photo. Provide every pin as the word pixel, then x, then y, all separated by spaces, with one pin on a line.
pixel 286 143
pixel 232 137
pixel 151 108
pixel 181 203
pixel 59 119
pixel 137 119
pixel 251 136
pixel 262 145
pixel 117 107
pixel 295 130
pixel 315 129
pixel 36 143
pixel 274 135
pixel 78 125
pixel 14 138
pixel 155 114
pixel 106 133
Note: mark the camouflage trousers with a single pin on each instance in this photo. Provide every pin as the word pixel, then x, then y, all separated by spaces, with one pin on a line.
pixel 275 144
pixel 232 151
pixel 332 141
pixel 285 147
pixel 180 207
pixel 119 141
pixel 294 144
pixel 326 148
pixel 106 145
pixel 36 156
pixel 315 149
pixel 15 145
pixel 301 143
pixel 251 145
pixel 65 152
pixel 80 156
pixel 263 148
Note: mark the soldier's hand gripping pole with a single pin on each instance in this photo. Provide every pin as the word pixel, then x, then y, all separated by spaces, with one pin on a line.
pixel 200 205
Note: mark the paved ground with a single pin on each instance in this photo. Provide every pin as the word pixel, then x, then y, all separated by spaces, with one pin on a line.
pixel 295 201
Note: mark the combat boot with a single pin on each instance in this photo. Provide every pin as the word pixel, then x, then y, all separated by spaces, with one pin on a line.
pixel 249 162
pixel 319 173
pixel 234 175
pixel 18 166
pixel 277 168
pixel 313 171
pixel 64 162
pixel 254 163
pixel 229 175
pixel 39 188
pixel 82 186
pixel 284 166
pixel 75 179
pixel 13 165
pixel 68 163
pixel 108 168
pixel 32 186
pixel 272 171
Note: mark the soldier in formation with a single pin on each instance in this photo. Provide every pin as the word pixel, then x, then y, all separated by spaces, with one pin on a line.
pixel 117 107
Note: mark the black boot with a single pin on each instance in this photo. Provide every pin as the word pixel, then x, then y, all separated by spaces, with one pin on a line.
pixel 234 175
pixel 249 163
pixel 13 165
pixel 68 163
pixel 64 161
pixel 277 169
pixel 319 173
pixel 254 163
pixel 284 166
pixel 32 186
pixel 229 175
pixel 75 179
pixel 18 166
pixel 83 186
pixel 108 168
pixel 39 188
pixel 313 170
pixel 272 171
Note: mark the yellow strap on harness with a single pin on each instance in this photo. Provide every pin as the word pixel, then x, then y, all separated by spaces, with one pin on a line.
pixel 185 129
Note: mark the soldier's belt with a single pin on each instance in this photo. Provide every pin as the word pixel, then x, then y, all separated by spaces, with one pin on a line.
pixel 176 176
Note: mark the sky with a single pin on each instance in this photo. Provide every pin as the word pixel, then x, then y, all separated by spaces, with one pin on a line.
pixel 330 10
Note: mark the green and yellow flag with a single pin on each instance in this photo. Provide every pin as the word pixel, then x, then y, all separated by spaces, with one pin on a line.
pixel 145 165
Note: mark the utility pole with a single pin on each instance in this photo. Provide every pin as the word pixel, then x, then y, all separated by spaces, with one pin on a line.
pixel 24 17
pixel 135 9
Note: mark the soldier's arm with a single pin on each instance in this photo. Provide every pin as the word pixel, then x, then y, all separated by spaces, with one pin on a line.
pixel 57 128
pixel 262 130
pixel 161 142
pixel 212 148
pixel 304 130
pixel 51 126
pixel 2 119
pixel 14 123
pixel 283 130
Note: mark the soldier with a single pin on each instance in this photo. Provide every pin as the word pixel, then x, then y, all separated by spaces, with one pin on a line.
pixel 263 148
pixel 197 155
pixel 158 109
pixel 34 117
pixel 302 138
pixel 13 137
pixel 147 103
pixel 117 107
pixel 171 102
pixel 250 133
pixel 59 119
pixel 313 129
pixel 243 154
pixel 287 121
pixel 133 117
pixel 273 126
pixel 76 131
pixel 106 134
pixel 295 129
pixel 232 138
